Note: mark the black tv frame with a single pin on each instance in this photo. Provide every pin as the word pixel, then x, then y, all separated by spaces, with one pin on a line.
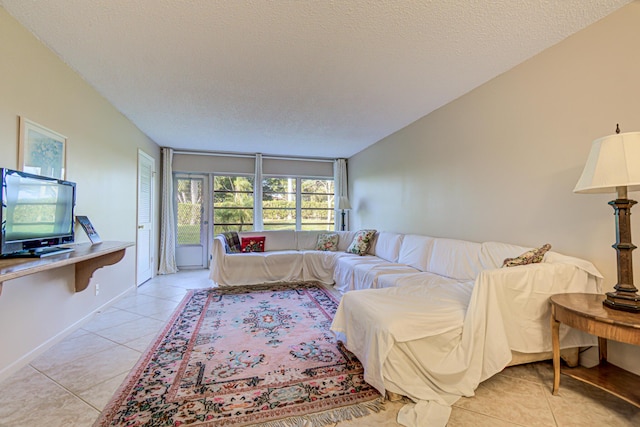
pixel 39 246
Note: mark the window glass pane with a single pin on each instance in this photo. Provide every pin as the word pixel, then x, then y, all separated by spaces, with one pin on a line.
pixel 313 201
pixel 314 227
pixel 278 185
pixel 317 219
pixel 233 216
pixel 279 203
pixel 233 199
pixel 280 226
pixel 279 215
pixel 232 203
pixel 317 194
pixel 233 183
pixel 189 201
pixel 317 186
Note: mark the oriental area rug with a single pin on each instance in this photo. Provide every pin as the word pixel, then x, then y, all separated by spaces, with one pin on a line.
pixel 245 355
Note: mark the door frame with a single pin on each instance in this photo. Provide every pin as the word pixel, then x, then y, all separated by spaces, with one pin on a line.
pixel 152 248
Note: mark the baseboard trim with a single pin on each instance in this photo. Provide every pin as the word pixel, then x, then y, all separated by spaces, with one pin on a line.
pixel 23 361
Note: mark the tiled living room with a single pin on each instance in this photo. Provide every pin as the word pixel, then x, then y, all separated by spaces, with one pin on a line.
pixel 469 122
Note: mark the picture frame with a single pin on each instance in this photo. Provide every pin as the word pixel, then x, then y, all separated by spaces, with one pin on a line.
pixel 41 151
pixel 88 228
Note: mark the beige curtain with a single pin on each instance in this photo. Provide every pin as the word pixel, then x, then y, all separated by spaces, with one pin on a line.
pixel 167 264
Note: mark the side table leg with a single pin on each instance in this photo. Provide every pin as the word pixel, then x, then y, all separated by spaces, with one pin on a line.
pixel 602 349
pixel 555 340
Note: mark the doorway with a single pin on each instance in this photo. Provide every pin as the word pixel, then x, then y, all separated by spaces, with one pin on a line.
pixel 144 246
pixel 192 220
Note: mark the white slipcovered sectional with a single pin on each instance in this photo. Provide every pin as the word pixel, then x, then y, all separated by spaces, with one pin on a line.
pixel 392 258
pixel 431 317
pixel 398 260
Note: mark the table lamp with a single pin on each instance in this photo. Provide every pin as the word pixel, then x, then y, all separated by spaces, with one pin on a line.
pixel 343 205
pixel 613 166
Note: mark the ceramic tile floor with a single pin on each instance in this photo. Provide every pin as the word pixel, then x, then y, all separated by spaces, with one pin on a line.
pixel 69 384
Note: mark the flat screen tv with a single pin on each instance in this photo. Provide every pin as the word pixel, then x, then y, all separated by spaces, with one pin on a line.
pixel 37 214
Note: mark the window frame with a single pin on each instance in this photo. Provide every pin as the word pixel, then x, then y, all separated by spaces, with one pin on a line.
pixel 298 201
pixel 214 207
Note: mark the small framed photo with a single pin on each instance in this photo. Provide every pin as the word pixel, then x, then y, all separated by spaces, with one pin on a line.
pixel 92 234
pixel 41 150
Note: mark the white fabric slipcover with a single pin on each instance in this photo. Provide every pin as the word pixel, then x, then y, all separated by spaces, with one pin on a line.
pixel 386 245
pixel 307 240
pixel 493 254
pixel 319 265
pixel 260 267
pixel 365 276
pixel 415 251
pixel 447 257
pixel 457 259
pixel 344 271
pixel 433 338
pixel 346 237
pixel 289 256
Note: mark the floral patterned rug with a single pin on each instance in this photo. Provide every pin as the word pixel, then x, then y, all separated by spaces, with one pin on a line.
pixel 245 355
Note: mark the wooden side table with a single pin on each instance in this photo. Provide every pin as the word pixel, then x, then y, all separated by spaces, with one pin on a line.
pixel 586 313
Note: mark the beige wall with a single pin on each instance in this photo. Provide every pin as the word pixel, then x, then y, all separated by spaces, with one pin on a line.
pixel 500 163
pixel 37 310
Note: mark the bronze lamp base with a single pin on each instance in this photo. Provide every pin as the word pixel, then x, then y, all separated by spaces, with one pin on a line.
pixel 625 296
pixel 626 301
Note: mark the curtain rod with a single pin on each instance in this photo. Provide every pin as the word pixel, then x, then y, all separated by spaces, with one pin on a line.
pixel 250 156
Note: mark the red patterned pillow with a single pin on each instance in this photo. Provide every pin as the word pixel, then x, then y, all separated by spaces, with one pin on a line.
pixel 253 244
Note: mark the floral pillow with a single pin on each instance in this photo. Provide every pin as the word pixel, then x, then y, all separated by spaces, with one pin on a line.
pixel 327 242
pixel 253 244
pixel 529 257
pixel 361 242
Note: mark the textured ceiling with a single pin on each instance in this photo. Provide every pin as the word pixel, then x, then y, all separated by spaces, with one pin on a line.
pixel 300 78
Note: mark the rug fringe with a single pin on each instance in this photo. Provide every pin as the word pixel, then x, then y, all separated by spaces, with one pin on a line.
pixel 332 416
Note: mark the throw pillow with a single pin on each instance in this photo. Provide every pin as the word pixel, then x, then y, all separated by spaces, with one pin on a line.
pixel 232 242
pixel 327 242
pixel 529 257
pixel 253 244
pixel 361 242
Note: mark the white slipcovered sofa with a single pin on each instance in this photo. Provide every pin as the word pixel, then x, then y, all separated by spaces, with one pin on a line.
pixel 288 256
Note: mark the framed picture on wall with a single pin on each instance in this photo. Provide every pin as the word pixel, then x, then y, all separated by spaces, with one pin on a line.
pixel 41 151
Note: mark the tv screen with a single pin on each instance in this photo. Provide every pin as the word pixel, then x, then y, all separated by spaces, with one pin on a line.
pixel 37 212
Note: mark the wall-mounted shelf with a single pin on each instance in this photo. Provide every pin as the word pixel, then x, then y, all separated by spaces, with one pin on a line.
pixel 87 259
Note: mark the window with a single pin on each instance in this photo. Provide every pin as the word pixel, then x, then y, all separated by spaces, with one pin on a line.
pixel 297 203
pixel 279 203
pixel 317 204
pixel 232 203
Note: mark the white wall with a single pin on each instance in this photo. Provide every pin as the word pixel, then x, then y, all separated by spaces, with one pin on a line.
pixel 37 310
pixel 500 163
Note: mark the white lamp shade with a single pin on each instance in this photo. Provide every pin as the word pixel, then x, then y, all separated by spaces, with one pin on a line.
pixel 614 161
pixel 343 203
